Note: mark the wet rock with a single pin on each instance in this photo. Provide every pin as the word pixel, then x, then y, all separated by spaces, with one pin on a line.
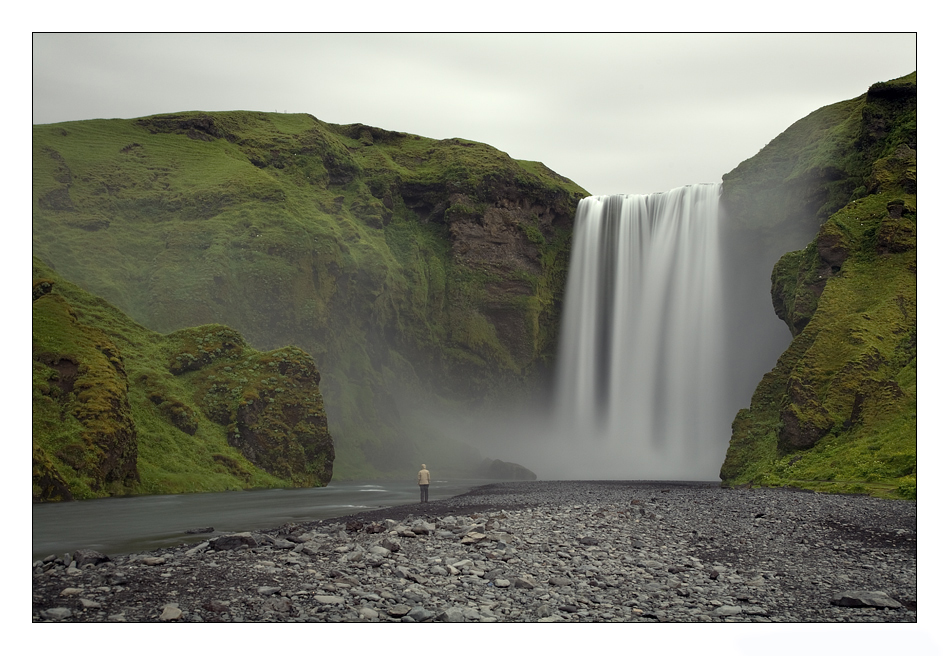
pixel 234 541
pixel 89 557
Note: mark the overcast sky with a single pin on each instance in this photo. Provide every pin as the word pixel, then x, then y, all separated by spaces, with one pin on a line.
pixel 624 113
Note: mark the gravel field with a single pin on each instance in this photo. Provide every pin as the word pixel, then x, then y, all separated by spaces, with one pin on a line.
pixel 545 551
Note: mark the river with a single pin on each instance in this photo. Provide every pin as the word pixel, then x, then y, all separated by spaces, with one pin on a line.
pixel 143 523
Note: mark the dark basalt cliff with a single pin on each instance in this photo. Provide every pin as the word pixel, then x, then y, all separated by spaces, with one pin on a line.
pixel 119 409
pixel 838 411
pixel 415 272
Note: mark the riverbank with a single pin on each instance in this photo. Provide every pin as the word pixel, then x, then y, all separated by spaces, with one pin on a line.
pixel 544 551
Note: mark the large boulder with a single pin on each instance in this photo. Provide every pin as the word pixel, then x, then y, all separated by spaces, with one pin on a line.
pixel 506 471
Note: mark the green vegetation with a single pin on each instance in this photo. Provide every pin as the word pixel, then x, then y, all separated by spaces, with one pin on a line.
pixel 839 410
pixel 822 162
pixel 119 409
pixel 411 270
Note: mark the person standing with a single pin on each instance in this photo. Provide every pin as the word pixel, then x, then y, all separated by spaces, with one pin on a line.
pixel 423 478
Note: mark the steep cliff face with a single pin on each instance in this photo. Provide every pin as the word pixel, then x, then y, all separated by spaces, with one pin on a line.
pixel 838 411
pixel 412 270
pixel 119 409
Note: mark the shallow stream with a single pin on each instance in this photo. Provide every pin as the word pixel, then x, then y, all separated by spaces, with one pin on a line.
pixel 133 524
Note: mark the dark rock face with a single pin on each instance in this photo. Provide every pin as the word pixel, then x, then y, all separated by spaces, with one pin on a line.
pixel 896 234
pixel 507 471
pixel 804 420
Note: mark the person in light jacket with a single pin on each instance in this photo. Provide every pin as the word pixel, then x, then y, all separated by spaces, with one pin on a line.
pixel 423 478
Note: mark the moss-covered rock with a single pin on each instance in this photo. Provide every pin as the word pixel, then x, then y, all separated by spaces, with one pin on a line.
pixel 119 409
pixel 838 411
pixel 428 270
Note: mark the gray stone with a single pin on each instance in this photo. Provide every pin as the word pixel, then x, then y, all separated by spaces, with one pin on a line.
pixel 368 613
pixel 56 613
pixel 267 590
pixel 727 611
pixel 89 557
pixel 278 604
pixel 170 612
pixel 864 599
pixel 451 615
pixel 234 541
pixel 197 549
pixel 470 614
pixel 423 528
pixel 399 610
pixel 328 599
pixel 420 614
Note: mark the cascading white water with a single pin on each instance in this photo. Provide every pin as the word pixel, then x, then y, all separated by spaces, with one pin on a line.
pixel 640 377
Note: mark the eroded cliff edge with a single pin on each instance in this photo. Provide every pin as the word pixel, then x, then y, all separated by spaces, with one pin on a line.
pixel 119 409
pixel 838 411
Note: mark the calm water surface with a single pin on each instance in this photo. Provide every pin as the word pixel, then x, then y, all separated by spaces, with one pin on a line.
pixel 132 524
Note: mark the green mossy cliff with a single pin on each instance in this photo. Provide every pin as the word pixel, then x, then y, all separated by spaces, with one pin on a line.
pixel 414 271
pixel 839 410
pixel 119 409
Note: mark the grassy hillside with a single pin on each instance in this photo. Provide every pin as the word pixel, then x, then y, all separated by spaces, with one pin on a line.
pixel 119 409
pixel 410 269
pixel 838 411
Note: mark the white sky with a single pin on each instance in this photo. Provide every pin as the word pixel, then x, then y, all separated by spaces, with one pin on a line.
pixel 616 113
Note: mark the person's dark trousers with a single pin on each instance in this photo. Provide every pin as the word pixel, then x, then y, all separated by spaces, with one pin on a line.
pixel 423 494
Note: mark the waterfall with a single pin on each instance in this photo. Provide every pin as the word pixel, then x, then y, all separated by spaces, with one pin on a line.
pixel 640 378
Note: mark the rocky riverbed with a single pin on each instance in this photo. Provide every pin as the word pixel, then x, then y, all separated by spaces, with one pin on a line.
pixel 539 551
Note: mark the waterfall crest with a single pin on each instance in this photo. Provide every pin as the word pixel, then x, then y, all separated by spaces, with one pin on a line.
pixel 640 378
